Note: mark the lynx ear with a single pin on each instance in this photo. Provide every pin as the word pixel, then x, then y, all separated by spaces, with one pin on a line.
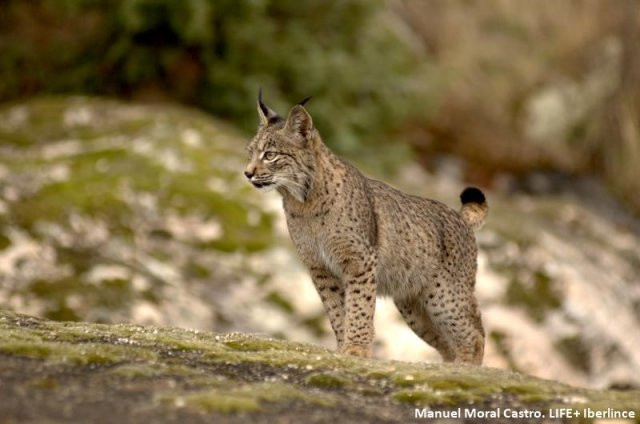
pixel 265 112
pixel 299 122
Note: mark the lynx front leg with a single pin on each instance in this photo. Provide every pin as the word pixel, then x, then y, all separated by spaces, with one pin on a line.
pixel 332 295
pixel 360 304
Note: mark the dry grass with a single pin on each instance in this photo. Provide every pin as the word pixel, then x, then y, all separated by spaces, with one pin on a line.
pixel 533 84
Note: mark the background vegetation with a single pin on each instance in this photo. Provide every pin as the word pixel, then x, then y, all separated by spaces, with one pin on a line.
pixel 216 54
pixel 507 85
pixel 529 86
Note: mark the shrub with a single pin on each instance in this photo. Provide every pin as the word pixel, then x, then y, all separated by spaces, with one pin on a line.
pixel 216 54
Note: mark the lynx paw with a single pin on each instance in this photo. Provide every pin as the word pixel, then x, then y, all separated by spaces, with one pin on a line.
pixel 353 350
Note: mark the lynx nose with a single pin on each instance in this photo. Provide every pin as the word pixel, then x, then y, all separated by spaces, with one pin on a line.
pixel 249 174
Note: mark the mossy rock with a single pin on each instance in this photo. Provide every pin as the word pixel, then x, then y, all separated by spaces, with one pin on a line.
pixel 134 373
pixel 108 204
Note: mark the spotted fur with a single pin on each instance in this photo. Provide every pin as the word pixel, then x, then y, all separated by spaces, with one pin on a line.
pixel 360 238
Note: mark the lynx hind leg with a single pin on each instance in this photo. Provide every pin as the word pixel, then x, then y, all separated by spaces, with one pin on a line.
pixel 420 322
pixel 455 316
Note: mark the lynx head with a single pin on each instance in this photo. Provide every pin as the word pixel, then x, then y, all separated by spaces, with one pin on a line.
pixel 281 154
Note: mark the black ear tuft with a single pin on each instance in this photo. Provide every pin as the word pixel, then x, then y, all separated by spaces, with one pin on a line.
pixel 263 107
pixel 267 115
pixel 472 195
pixel 304 101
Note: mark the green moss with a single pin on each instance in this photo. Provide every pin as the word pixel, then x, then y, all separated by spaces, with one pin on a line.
pixel 316 324
pixel 274 392
pixel 455 384
pixel 575 351
pixel 417 398
pixel 537 295
pixel 65 342
pixel 254 345
pixel 378 375
pixel 535 398
pixel 248 397
pixel 454 381
pixel 281 302
pixel 130 165
pixel 226 373
pixel 138 371
pixel 327 381
pixel 108 294
pixel 196 270
pixel 437 398
pixel 201 379
pixel 4 241
pixel 179 343
pixel 80 354
pixel 499 338
pixel 159 369
pixel 217 402
pixel 407 380
pixel 11 335
pixel 95 196
pixel 286 355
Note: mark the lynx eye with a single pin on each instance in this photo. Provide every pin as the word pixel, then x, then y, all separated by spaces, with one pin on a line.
pixel 269 155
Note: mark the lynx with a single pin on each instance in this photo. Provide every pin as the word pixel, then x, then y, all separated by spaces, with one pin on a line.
pixel 360 238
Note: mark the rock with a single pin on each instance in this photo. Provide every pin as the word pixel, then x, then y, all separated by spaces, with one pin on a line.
pixel 114 212
pixel 81 372
pixel 557 281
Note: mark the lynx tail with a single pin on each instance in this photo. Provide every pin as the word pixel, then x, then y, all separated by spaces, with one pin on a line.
pixel 474 207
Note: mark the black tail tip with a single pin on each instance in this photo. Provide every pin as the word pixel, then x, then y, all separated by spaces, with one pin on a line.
pixel 472 195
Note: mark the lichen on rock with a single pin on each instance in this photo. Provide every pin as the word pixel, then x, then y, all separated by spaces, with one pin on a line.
pixel 118 212
pixel 133 372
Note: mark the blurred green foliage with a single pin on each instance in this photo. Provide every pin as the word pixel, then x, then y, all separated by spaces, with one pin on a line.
pixel 507 87
pixel 217 53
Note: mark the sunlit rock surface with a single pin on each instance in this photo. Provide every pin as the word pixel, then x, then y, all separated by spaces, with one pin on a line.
pixel 80 372
pixel 113 212
pixel 558 282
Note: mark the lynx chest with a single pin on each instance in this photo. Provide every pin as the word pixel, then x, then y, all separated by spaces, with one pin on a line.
pixel 313 238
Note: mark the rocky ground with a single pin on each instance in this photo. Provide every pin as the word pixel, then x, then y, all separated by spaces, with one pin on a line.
pixel 79 372
pixel 113 212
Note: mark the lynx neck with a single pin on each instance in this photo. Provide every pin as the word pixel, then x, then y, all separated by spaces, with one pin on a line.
pixel 322 185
